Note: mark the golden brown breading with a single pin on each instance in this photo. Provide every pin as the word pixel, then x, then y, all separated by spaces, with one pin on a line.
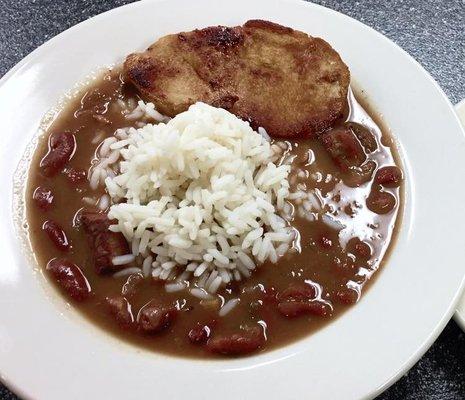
pixel 290 83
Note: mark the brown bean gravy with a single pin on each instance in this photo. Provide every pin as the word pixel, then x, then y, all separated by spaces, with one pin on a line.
pixel 350 169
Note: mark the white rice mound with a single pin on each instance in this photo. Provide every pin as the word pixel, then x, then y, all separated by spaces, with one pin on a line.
pixel 199 198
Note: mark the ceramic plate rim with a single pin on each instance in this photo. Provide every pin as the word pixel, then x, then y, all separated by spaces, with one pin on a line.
pixel 459 315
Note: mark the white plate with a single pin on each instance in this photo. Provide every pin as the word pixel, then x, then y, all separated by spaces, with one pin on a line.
pixel 47 351
pixel 460 313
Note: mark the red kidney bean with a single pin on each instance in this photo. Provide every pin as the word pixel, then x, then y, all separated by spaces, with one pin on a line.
pixel 299 299
pixel 70 278
pixel 120 308
pixel 343 147
pixel 361 175
pixel 61 148
pixel 243 342
pixel 75 176
pixel 359 248
pixel 389 176
pixel 293 309
pixel 325 242
pixel 380 202
pixel 362 250
pixel 295 292
pixel 199 334
pixel 154 318
pixel 57 235
pixel 347 295
pixel 43 198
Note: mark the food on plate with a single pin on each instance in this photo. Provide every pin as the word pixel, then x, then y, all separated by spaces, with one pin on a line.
pixel 201 227
pixel 289 83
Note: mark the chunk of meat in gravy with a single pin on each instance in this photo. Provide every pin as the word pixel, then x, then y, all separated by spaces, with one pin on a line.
pixel 243 342
pixel 70 278
pixel 343 147
pixel 61 148
pixel 154 318
pixel 120 308
pixel 108 245
pixel 366 138
pixel 95 222
pixel 105 245
pixel 292 84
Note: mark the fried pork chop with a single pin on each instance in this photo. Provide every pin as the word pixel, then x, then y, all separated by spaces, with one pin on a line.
pixel 292 84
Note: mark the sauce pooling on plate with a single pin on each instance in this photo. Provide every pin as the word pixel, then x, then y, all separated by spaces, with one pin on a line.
pixel 345 199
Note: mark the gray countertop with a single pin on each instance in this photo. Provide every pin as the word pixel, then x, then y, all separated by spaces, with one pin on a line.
pixel 432 31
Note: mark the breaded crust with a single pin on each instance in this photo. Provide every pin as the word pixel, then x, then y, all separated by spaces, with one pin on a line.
pixel 292 84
